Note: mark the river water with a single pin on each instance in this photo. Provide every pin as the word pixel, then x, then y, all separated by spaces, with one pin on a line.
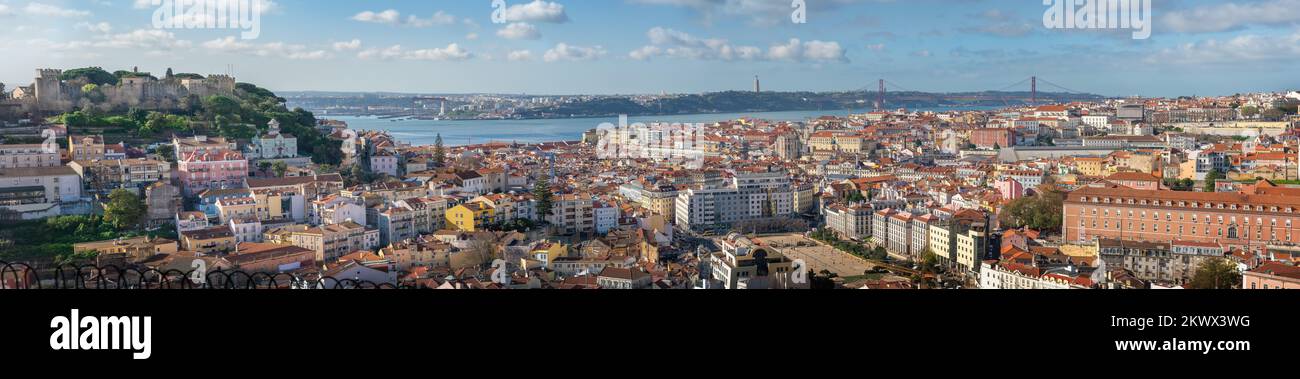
pixel 465 132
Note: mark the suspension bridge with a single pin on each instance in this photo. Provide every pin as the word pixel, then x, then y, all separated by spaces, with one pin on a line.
pixel 1007 94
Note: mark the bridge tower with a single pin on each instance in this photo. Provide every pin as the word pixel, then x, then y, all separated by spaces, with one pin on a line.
pixel 1033 89
pixel 880 96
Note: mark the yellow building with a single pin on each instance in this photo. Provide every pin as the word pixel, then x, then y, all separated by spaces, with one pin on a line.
pixel 1145 162
pixel 1090 166
pixel 470 216
pixel 272 205
pixel 547 252
pixel 661 201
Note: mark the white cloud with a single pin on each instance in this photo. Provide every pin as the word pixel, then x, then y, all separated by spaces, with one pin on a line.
pixel 46 10
pixel 1235 51
pixel 566 52
pixel 154 41
pixel 519 30
pixel 271 49
pixel 675 44
pixel 1226 16
pixel 347 45
pixel 391 52
pixel 143 39
pixel 998 23
pixel 383 17
pixel 646 52
pixel 520 55
pixel 536 11
pixel 439 18
pixel 102 27
pixel 922 53
pixel 763 12
pixel 268 6
pixel 822 51
pixel 453 52
pixel 4 10
pixel 394 17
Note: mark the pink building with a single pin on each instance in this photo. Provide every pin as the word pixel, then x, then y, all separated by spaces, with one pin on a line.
pixel 212 170
pixel 1011 189
pixel 1272 276
pixel 992 137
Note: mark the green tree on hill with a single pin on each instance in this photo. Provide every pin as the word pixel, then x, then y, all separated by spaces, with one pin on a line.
pixel 124 209
pixel 1043 211
pixel 218 105
pixel 544 196
pixel 1216 273
pixel 280 169
pixel 92 75
pixel 439 152
pixel 1212 178
pixel 120 74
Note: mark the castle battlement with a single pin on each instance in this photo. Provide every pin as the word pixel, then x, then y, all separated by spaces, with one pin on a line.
pixel 54 95
pixel 48 73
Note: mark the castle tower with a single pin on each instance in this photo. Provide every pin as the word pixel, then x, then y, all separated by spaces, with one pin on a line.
pixel 273 127
pixel 49 89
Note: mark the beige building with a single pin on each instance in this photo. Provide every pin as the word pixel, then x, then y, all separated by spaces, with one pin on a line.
pixel 237 208
pixel 328 241
pixel 573 213
pixel 28 156
pixel 216 239
pixel 743 265
pixel 128 250
pixel 86 148
pixel 850 222
pixel 104 176
pixel 661 201
pixel 1272 276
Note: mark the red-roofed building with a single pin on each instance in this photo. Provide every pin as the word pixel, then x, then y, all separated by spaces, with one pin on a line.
pixel 220 170
pixel 1272 275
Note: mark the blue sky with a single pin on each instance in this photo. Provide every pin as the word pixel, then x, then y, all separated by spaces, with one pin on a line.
pixel 675 46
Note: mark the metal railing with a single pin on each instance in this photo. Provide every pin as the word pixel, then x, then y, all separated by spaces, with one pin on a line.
pixel 73 276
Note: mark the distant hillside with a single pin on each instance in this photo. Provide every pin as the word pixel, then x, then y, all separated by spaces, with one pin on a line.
pixel 714 102
pixel 737 101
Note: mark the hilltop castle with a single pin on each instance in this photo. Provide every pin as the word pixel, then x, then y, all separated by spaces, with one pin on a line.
pixel 50 94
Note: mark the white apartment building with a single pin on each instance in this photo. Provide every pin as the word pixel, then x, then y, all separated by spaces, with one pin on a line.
pixel 849 222
pixel 40 192
pixel 28 156
pixel 713 207
pixel 606 217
